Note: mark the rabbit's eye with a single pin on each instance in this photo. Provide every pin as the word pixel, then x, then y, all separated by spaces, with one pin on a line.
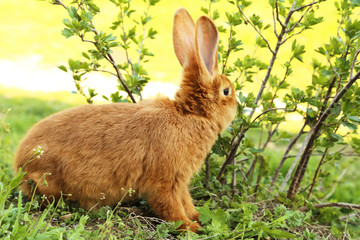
pixel 226 91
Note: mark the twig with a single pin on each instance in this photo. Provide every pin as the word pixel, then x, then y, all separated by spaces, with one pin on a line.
pixel 293 165
pixel 292 35
pixel 141 44
pixel 305 6
pixel 354 214
pixel 58 2
pixel 105 71
pixel 124 39
pixel 273 109
pixel 332 204
pixel 228 51
pixel 274 22
pixel 257 30
pixel 302 16
pixel 277 15
pixel 353 63
pixel 283 159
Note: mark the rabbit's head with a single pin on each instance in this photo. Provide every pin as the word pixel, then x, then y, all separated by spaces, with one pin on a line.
pixel 203 90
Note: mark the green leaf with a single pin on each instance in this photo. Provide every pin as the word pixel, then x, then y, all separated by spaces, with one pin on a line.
pixel 204 10
pixel 151 33
pixel 277 233
pixel 62 67
pixel 255 19
pixel 260 42
pixel 66 32
pixel 355 2
pixel 205 213
pixel 311 20
pixel 336 137
pixel 215 15
pixel 298 50
pixel 234 19
pixel 86 55
pixel 349 125
pixel 354 119
pixel 153 2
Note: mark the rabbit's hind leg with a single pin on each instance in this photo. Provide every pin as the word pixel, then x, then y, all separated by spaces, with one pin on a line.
pixel 188 204
pixel 166 201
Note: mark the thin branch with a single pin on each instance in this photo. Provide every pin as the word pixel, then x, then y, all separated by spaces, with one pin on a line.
pixel 274 22
pixel 353 63
pixel 285 156
pixel 141 44
pixel 228 51
pixel 317 171
pixel 105 71
pixel 58 2
pixel 85 40
pixel 305 6
pixel 339 27
pixel 124 39
pixel 354 214
pixel 257 30
pixel 328 94
pixel 292 35
pixel 301 18
pixel 274 109
pixel 318 154
pixel 332 204
pixel 293 165
pixel 278 15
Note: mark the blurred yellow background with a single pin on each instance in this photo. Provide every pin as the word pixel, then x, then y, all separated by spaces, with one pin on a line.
pixel 31 44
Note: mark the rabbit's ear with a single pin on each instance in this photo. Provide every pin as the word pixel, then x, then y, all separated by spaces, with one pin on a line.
pixel 183 36
pixel 206 40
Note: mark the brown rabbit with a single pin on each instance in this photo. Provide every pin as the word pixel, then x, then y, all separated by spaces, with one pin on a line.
pixel 154 147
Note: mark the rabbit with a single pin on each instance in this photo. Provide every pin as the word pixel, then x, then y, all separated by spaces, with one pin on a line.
pixel 93 154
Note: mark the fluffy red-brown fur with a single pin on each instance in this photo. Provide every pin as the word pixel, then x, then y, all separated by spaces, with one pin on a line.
pixel 153 147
